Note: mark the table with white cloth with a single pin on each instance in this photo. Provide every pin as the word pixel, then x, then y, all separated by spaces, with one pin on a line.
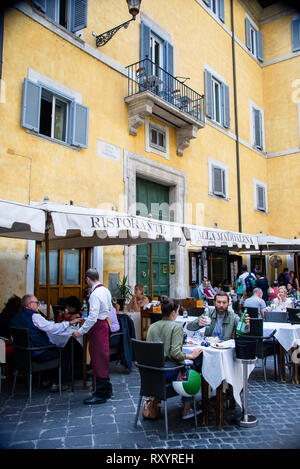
pixel 219 368
pixel 61 340
pixel 288 336
pixel 136 318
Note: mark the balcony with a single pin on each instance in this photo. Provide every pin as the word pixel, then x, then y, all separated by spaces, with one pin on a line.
pixel 153 91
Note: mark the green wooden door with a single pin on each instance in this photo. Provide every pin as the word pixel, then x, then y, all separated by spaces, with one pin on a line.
pixel 153 198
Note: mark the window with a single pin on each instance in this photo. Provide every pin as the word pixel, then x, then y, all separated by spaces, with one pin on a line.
pixel 217 7
pixel 254 41
pixel 71 14
pixel 218 178
pixel 296 33
pixel 257 126
pixel 156 48
pixel 157 138
pixel 217 99
pixel 52 114
pixel 260 195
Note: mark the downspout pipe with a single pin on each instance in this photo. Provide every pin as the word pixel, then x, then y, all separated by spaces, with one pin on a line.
pixel 1 38
pixel 236 123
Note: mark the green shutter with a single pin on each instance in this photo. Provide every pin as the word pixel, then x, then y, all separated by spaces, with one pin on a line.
pixel 225 105
pixel 80 121
pixel 218 181
pixel 221 10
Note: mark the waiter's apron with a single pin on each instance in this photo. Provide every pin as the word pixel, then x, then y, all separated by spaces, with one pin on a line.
pixel 98 337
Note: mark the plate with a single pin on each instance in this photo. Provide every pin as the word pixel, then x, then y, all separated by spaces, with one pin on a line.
pixel 221 346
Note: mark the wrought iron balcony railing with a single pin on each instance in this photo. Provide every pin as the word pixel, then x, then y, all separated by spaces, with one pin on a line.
pixel 145 75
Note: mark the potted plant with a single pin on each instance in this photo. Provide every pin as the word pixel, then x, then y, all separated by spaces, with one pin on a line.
pixel 124 290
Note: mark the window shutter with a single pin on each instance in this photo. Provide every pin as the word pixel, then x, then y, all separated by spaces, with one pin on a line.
pixel 145 41
pixel 52 10
pixel 208 94
pixel 208 3
pixel 296 33
pixel 169 58
pixel 78 14
pixel 221 11
pixel 225 105
pixel 41 4
pixel 260 198
pixel 218 179
pixel 31 105
pixel 257 128
pixel 80 121
pixel 248 37
pixel 259 46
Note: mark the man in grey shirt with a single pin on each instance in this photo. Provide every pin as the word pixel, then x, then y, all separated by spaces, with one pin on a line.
pixel 256 301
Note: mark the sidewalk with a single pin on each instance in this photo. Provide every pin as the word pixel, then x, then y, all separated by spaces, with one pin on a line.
pixel 54 422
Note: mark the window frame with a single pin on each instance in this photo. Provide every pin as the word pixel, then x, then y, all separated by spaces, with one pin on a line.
pixel 55 95
pixel 254 107
pixel 212 164
pixel 152 148
pixel 215 82
pixel 260 184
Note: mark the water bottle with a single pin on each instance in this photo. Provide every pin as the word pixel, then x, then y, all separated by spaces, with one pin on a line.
pixel 240 328
pixel 206 313
pixel 84 310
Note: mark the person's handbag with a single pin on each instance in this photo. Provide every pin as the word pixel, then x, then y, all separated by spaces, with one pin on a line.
pixel 151 408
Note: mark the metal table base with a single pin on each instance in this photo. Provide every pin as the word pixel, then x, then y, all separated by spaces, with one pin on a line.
pixel 247 420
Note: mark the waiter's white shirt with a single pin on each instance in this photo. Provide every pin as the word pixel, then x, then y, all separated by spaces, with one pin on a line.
pixel 100 306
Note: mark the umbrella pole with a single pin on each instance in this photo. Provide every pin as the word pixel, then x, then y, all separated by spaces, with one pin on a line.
pixel 151 272
pixel 47 271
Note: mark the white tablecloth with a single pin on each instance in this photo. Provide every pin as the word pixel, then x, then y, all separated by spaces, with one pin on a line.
pixel 219 365
pixel 288 335
pixel 61 339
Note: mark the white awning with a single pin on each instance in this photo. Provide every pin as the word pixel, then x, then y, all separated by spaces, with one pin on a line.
pixel 21 221
pixel 73 226
pixel 201 236
pixel 274 243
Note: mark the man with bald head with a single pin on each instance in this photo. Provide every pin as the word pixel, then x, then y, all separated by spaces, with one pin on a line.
pixel 30 318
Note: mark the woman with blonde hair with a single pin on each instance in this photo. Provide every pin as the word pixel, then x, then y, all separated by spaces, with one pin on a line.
pixel 282 302
pixel 138 300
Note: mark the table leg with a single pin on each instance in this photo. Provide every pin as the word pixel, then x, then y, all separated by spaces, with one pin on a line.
pixel 294 368
pixel 282 363
pixel 219 406
pixel 84 346
pixel 205 401
pixel 72 363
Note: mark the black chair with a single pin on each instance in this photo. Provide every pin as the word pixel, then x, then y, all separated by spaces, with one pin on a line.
pixel 293 315
pixel 210 301
pixel 276 316
pixel 154 317
pixel 151 364
pixel 192 311
pixel 24 359
pixel 253 312
pixel 265 346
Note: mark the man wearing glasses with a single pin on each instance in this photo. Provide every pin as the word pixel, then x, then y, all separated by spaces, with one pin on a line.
pixel 30 318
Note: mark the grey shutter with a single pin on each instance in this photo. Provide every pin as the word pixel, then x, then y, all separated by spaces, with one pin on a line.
pixel 257 128
pixel 259 46
pixel 78 14
pixel 260 198
pixel 218 179
pixel 208 94
pixel 80 123
pixel 31 105
pixel 169 64
pixel 296 33
pixel 221 10
pixel 52 10
pixel 41 4
pixel 248 37
pixel 225 105
pixel 145 41
pixel 208 2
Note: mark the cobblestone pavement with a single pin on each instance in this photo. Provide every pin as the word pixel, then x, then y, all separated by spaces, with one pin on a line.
pixel 51 421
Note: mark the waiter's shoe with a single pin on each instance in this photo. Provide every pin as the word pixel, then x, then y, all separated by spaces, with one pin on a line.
pixel 94 400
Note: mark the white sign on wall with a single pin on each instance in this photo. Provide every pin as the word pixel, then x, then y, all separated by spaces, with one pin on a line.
pixel 108 150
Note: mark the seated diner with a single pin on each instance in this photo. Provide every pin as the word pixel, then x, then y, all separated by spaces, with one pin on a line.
pixel 138 299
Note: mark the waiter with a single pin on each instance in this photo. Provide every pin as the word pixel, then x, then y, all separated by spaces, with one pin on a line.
pixel 96 325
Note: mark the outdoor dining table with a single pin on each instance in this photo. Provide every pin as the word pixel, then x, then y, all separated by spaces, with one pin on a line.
pixel 288 336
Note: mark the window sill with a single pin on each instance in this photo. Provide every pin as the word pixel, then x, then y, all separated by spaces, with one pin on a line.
pixel 218 197
pixel 263 212
pixel 52 140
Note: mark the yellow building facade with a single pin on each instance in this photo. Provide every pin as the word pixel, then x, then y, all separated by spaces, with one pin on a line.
pixel 73 129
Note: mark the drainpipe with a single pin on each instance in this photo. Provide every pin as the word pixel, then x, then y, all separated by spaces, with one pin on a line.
pixel 236 123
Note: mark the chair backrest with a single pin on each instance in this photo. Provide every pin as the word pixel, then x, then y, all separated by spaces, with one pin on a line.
pixel 192 311
pixel 149 353
pixel 293 315
pixel 154 317
pixel 210 301
pixel 256 327
pixel 253 312
pixel 20 338
pixel 276 316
